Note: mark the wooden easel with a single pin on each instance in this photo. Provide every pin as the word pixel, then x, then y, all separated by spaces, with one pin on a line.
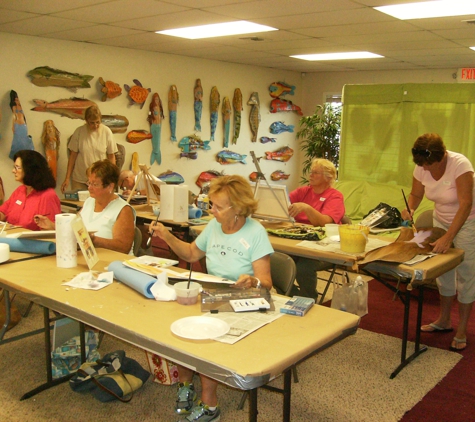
pixel 149 185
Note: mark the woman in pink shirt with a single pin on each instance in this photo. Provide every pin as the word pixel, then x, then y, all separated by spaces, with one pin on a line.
pixel 35 195
pixel 446 178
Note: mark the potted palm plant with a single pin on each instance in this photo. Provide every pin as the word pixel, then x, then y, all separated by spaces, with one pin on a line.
pixel 320 136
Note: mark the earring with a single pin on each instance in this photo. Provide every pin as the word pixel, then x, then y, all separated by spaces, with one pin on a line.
pixel 236 218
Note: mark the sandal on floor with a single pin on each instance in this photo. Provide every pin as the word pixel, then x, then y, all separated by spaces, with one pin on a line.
pixel 434 328
pixel 458 341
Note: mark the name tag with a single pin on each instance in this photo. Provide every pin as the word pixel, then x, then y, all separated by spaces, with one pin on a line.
pixel 244 243
pixel 322 199
pixel 446 182
pixel 18 202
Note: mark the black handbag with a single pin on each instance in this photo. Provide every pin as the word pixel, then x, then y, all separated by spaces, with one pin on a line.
pixel 115 377
pixel 392 219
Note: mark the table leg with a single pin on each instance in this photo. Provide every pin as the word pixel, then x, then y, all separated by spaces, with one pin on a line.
pixel 253 405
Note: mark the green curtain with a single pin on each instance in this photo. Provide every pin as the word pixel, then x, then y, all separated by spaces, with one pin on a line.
pixel 381 122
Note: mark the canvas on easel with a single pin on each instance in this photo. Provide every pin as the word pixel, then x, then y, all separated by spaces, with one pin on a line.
pixel 152 184
pixel 85 242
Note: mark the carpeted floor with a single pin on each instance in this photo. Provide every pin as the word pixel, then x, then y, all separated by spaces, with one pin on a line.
pixel 347 382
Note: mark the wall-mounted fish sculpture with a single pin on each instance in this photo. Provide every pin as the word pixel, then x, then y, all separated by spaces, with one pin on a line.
pixel 155 118
pixel 173 99
pixel 226 110
pixel 266 139
pixel 115 122
pixel 135 163
pixel 192 155
pixel 215 99
pixel 120 156
pixel 279 175
pixel 198 104
pixel 207 176
pixel 136 136
pixel 228 157
pixel 192 143
pixel 279 127
pixel 137 93
pixel 283 154
pixel 277 89
pixel 109 89
pixel 21 139
pixel 253 176
pixel 171 177
pixel 278 104
pixel 50 139
pixel 47 76
pixel 254 115
pixel 237 106
pixel 73 108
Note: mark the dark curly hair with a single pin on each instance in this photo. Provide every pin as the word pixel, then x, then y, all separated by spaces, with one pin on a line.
pixel 428 149
pixel 37 173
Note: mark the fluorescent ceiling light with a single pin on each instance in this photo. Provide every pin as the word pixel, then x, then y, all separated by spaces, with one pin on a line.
pixel 217 30
pixel 472 48
pixel 338 56
pixel 429 9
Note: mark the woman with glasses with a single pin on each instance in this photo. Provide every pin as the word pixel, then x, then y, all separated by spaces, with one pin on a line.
pixel 237 248
pixel 105 213
pixel 317 204
pixel 35 195
pixel 89 143
pixel 446 178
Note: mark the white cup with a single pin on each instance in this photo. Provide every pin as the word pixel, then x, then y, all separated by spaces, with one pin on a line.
pixel 331 229
pixel 4 252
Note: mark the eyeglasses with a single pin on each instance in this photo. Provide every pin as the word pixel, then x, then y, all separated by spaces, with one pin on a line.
pixel 317 172
pixel 17 168
pixel 218 209
pixel 421 152
pixel 94 185
pixel 93 122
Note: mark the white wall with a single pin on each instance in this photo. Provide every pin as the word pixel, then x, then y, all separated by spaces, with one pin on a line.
pixel 157 71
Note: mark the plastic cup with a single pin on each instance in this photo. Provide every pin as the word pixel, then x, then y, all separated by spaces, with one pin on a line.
pixel 331 229
pixel 353 237
pixel 186 296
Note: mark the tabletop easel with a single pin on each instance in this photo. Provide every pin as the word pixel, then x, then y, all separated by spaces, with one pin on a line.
pixel 149 185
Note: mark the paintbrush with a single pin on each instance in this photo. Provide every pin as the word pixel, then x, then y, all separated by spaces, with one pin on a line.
pixel 3 228
pixel 409 211
pixel 189 278
pixel 149 241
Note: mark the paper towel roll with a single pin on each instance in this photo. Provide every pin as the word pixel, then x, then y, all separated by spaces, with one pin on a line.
pixel 166 202
pixel 180 204
pixel 4 252
pixel 66 244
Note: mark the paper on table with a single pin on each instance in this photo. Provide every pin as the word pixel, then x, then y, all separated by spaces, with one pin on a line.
pixel 419 258
pixel 327 245
pixel 92 280
pixel 161 290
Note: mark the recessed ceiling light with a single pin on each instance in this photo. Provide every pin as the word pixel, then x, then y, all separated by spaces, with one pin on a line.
pixel 217 30
pixel 429 9
pixel 338 56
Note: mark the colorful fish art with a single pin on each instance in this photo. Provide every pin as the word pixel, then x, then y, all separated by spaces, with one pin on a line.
pixel 254 115
pixel 277 89
pixel 116 123
pixel 279 175
pixel 207 176
pixel 137 93
pixel 215 99
pixel 283 154
pixel 47 76
pixel 73 108
pixel 237 106
pixel 189 144
pixel 171 177
pixel 278 104
pixel 50 139
pixel 279 127
pixel 173 99
pixel 109 89
pixel 228 157
pixel 226 110
pixel 253 176
pixel 135 164
pixel 193 155
pixel 21 139
pixel 136 136
pixel 155 118
pixel 265 139
pixel 198 104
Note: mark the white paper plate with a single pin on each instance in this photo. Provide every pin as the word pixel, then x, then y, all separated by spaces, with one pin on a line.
pixel 199 328
pixel 335 238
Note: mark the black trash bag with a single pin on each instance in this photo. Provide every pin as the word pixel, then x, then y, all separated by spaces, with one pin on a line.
pixel 391 220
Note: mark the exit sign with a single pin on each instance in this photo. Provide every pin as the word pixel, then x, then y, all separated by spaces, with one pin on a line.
pixel 466 74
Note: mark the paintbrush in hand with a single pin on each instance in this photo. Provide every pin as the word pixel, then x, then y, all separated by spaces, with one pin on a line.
pixel 189 278
pixel 149 240
pixel 409 211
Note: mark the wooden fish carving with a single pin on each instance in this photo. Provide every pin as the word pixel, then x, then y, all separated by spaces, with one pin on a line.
pixel 73 108
pixel 215 99
pixel 109 89
pixel 51 141
pixel 226 110
pixel 136 136
pixel 237 106
pixel 116 123
pixel 254 115
pixel 47 76
pixel 283 154
pixel 198 104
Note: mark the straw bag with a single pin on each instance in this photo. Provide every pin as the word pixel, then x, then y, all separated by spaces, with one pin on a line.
pixel 112 378
pixel 350 296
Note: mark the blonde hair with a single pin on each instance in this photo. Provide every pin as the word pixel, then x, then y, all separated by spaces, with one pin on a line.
pixel 329 170
pixel 92 113
pixel 239 192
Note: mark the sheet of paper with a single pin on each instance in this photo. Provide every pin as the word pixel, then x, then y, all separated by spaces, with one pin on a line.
pixel 92 280
pixel 328 245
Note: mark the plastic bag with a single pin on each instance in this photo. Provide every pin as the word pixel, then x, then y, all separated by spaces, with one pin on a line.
pixel 351 296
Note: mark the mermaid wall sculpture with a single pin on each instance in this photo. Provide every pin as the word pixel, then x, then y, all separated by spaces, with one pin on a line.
pixel 51 140
pixel 173 100
pixel 215 99
pixel 21 139
pixel 198 105
pixel 155 118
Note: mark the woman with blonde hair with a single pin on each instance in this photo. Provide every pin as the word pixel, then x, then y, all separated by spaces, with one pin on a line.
pixel 237 248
